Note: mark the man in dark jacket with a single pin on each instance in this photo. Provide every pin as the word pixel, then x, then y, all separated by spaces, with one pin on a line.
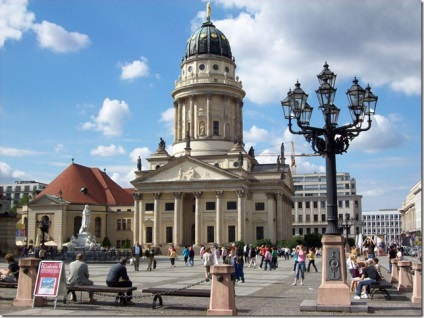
pixel 369 276
pixel 391 255
pixel 118 277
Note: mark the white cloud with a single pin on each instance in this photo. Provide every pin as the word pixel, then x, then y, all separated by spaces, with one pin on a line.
pixel 60 148
pixel 56 38
pixel 14 152
pixel 279 44
pixel 108 151
pixel 6 172
pixel 14 19
pixel 384 129
pixel 167 117
pixel 137 68
pixel 111 118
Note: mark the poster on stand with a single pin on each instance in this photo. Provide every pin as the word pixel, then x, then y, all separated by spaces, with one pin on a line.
pixel 51 279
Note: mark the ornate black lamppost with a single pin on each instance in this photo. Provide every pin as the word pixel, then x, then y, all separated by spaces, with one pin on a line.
pixel 330 141
pixel 346 224
pixel 44 225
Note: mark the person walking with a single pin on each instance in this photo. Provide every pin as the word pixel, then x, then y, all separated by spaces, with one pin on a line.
pixel 78 275
pixel 274 258
pixel 252 256
pixel 118 277
pixel 216 255
pixel 311 256
pixel 238 265
pixel 301 257
pixel 136 253
pixel 186 253
pixel 267 259
pixel 224 253
pixel 207 262
pixel 191 256
pixel 150 255
pixel 173 256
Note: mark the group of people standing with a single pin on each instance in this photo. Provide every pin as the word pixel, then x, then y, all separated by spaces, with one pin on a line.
pixel 149 254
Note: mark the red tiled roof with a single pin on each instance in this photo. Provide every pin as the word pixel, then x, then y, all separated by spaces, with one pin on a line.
pixel 101 188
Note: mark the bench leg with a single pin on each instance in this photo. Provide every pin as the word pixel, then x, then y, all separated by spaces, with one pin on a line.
pixel 157 296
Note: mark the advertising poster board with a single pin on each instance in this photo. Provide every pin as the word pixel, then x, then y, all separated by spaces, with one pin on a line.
pixel 50 279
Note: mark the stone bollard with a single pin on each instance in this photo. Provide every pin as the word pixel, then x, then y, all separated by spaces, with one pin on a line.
pixel 28 268
pixel 222 301
pixel 395 270
pixel 416 289
pixel 405 276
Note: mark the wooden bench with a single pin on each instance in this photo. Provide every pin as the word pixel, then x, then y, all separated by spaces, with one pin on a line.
pixel 380 287
pixel 120 291
pixel 159 292
pixel 8 284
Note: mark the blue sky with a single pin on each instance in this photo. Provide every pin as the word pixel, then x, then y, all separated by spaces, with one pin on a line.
pixel 92 80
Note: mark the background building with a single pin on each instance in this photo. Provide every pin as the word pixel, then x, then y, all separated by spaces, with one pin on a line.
pixel 16 191
pixel 309 210
pixel 386 224
pixel 411 212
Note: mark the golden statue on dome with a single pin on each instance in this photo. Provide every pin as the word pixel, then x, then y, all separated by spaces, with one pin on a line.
pixel 208 11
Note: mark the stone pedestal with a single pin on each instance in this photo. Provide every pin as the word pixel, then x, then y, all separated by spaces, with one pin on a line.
pixel 334 290
pixel 82 240
pixel 26 284
pixel 395 270
pixel 222 301
pixel 405 276
pixel 417 283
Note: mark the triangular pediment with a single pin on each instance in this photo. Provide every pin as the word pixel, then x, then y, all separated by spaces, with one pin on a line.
pixel 187 169
pixel 48 200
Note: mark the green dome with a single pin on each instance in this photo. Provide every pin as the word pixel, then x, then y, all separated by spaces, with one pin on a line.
pixel 208 40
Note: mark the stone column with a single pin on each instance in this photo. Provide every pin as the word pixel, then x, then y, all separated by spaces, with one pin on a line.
pixel 271 220
pixel 417 284
pixel 240 215
pixel 197 218
pixel 280 225
pixel 28 268
pixel 156 219
pixel 178 224
pixel 222 300
pixel 395 270
pixel 405 276
pixel 175 121
pixel 218 196
pixel 208 115
pixel 137 223
pixel 191 116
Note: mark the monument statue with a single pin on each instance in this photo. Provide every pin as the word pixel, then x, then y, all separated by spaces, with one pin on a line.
pixel 139 163
pixel 187 139
pixel 162 143
pixel 85 223
pixel 208 11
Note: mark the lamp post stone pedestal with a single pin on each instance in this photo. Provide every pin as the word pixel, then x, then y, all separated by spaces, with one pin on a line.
pixel 334 290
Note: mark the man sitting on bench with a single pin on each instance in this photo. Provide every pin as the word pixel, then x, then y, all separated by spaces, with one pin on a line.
pixel 78 275
pixel 11 273
pixel 118 272
pixel 369 276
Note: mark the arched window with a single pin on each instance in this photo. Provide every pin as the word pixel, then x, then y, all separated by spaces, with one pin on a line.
pixel 97 226
pixel 77 224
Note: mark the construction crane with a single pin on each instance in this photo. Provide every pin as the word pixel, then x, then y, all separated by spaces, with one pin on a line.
pixel 293 156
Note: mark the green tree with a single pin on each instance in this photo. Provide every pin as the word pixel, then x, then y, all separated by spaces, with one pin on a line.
pixel 127 244
pixel 313 240
pixel 106 242
pixel 21 203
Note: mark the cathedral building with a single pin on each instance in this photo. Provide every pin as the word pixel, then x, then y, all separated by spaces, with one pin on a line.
pixel 210 190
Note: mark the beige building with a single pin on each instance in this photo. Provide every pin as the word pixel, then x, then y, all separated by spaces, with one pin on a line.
pixel 411 213
pixel 211 190
pixel 309 213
